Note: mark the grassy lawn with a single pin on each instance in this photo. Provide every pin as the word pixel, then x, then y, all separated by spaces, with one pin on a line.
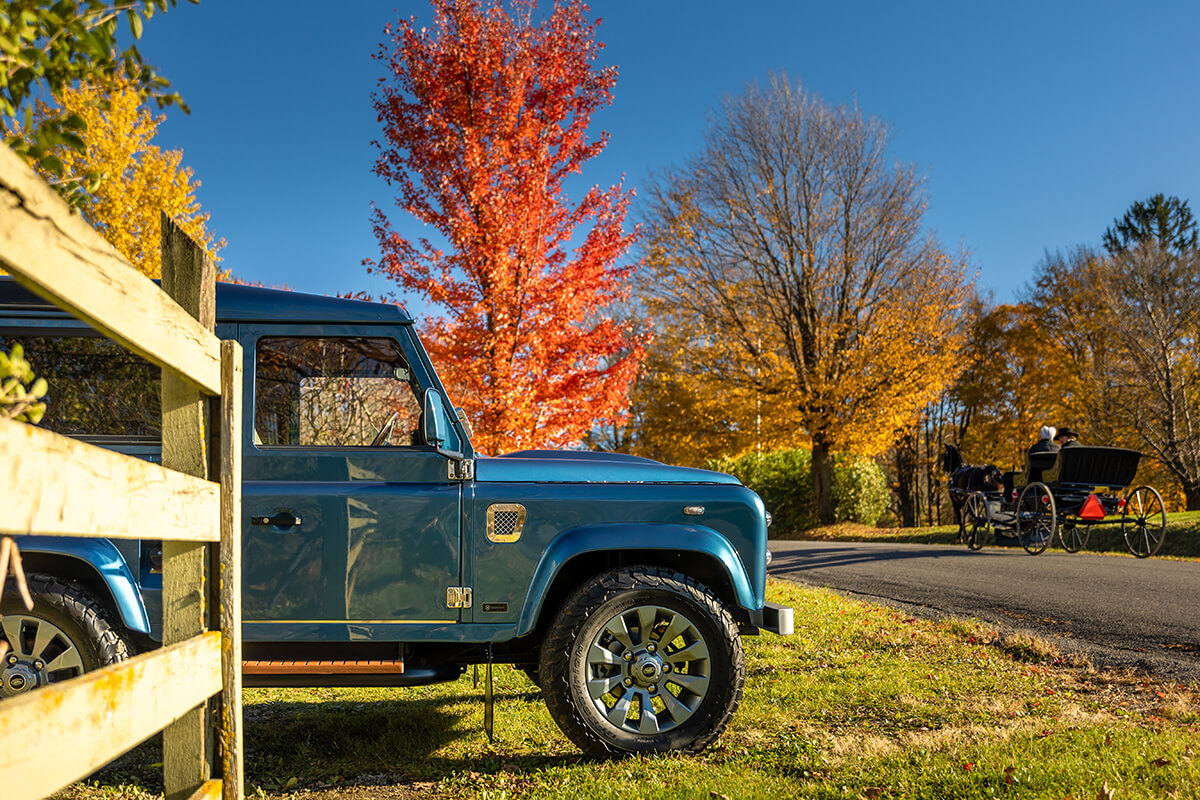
pixel 1182 538
pixel 863 702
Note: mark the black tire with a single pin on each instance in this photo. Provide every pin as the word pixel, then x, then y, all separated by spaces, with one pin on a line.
pixel 1144 521
pixel 1074 537
pixel 701 666
pixel 532 672
pixel 1036 518
pixel 67 633
pixel 977 520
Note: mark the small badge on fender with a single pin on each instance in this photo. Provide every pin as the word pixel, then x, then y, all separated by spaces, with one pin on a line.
pixel 494 607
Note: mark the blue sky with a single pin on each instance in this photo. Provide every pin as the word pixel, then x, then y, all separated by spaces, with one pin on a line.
pixel 1036 123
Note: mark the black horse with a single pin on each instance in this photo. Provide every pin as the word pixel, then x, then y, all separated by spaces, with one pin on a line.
pixel 967 478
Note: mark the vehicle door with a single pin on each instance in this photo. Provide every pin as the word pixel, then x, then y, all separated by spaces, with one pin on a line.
pixel 352 518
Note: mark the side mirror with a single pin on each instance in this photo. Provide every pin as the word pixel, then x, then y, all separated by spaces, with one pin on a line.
pixel 435 425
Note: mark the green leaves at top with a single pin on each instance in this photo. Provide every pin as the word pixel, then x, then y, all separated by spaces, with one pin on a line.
pixel 51 44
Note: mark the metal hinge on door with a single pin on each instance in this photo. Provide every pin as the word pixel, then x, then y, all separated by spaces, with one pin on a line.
pixel 458 597
pixel 462 470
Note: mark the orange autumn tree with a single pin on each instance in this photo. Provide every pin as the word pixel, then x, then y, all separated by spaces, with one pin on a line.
pixel 485 115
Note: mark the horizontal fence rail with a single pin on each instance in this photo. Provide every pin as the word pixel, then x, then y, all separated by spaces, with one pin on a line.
pixel 51 251
pixel 71 729
pixel 69 488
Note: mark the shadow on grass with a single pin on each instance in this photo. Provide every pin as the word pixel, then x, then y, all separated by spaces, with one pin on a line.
pixel 344 744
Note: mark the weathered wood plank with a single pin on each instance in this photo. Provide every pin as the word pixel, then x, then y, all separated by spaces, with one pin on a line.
pixel 66 731
pixel 189 744
pixel 62 487
pixel 231 569
pixel 54 253
pixel 209 790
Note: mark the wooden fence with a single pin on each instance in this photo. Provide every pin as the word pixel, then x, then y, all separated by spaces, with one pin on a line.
pixel 57 486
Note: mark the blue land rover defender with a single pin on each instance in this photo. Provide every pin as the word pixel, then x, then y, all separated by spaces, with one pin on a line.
pixel 381 550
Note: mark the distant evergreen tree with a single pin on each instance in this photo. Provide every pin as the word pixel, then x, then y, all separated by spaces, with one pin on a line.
pixel 1166 221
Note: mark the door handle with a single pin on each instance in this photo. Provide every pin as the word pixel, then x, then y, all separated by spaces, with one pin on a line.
pixel 281 520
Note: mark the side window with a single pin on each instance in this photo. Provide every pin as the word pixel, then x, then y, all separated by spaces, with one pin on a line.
pixel 333 392
pixel 95 386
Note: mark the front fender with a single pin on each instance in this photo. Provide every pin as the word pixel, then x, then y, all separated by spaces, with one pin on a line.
pixel 106 561
pixel 636 536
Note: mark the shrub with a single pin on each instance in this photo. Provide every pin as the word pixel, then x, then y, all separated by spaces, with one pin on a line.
pixel 860 489
pixel 783 479
pixel 18 399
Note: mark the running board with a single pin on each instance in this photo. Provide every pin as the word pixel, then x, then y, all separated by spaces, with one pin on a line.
pixel 393 667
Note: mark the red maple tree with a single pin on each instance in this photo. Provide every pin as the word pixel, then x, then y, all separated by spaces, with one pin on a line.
pixel 485 116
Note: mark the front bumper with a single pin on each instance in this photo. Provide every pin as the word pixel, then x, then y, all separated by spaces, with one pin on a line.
pixel 774 618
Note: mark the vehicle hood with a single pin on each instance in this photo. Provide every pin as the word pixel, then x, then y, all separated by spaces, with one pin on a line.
pixel 579 466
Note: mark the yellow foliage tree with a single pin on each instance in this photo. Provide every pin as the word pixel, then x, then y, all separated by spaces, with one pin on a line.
pixel 795 247
pixel 137 181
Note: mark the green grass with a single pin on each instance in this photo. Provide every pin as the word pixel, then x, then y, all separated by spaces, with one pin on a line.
pixel 862 702
pixel 1182 539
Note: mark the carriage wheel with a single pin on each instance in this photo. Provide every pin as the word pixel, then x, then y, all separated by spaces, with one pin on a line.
pixel 976 520
pixel 1074 537
pixel 1144 521
pixel 1035 517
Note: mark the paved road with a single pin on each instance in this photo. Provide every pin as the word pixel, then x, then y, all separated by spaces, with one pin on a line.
pixel 1120 611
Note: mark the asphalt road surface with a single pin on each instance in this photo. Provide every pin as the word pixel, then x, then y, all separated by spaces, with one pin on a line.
pixel 1121 612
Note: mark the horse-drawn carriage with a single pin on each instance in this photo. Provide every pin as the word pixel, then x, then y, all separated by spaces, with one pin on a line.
pixel 1065 492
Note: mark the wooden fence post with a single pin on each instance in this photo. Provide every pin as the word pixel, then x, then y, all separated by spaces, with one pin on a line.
pixel 230 569
pixel 189 277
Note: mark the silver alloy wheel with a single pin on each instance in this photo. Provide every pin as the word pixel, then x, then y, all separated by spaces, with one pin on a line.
pixel 648 669
pixel 40 653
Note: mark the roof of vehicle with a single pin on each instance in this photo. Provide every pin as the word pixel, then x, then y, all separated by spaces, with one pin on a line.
pixel 238 303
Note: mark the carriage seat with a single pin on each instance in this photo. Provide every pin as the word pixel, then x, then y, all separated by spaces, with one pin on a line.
pixel 1036 465
pixel 1112 467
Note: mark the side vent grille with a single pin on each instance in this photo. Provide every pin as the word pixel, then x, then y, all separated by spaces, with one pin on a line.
pixel 505 521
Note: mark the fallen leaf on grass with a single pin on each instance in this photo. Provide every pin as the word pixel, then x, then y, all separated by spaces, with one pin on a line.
pixel 1106 793
pixel 1160 762
pixel 970 765
pixel 715 795
pixel 872 792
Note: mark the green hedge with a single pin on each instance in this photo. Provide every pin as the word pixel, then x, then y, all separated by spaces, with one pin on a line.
pixel 783 479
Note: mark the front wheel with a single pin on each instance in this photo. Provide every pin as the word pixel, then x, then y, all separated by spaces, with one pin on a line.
pixel 642 659
pixel 66 634
pixel 976 520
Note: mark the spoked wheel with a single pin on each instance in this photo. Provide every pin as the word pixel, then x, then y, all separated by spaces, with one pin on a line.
pixel 1144 521
pixel 976 520
pixel 1036 517
pixel 1074 537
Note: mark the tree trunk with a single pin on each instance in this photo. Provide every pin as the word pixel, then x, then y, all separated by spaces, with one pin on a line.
pixel 822 475
pixel 907 486
pixel 1191 493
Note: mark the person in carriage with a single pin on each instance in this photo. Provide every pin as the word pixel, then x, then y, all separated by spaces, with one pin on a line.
pixel 1046 442
pixel 1066 438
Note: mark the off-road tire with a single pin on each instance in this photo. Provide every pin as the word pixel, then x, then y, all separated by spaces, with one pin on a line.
pixel 564 665
pixel 79 614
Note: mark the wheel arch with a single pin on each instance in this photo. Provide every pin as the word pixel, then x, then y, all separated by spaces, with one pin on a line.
pixel 95 564
pixel 579 554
